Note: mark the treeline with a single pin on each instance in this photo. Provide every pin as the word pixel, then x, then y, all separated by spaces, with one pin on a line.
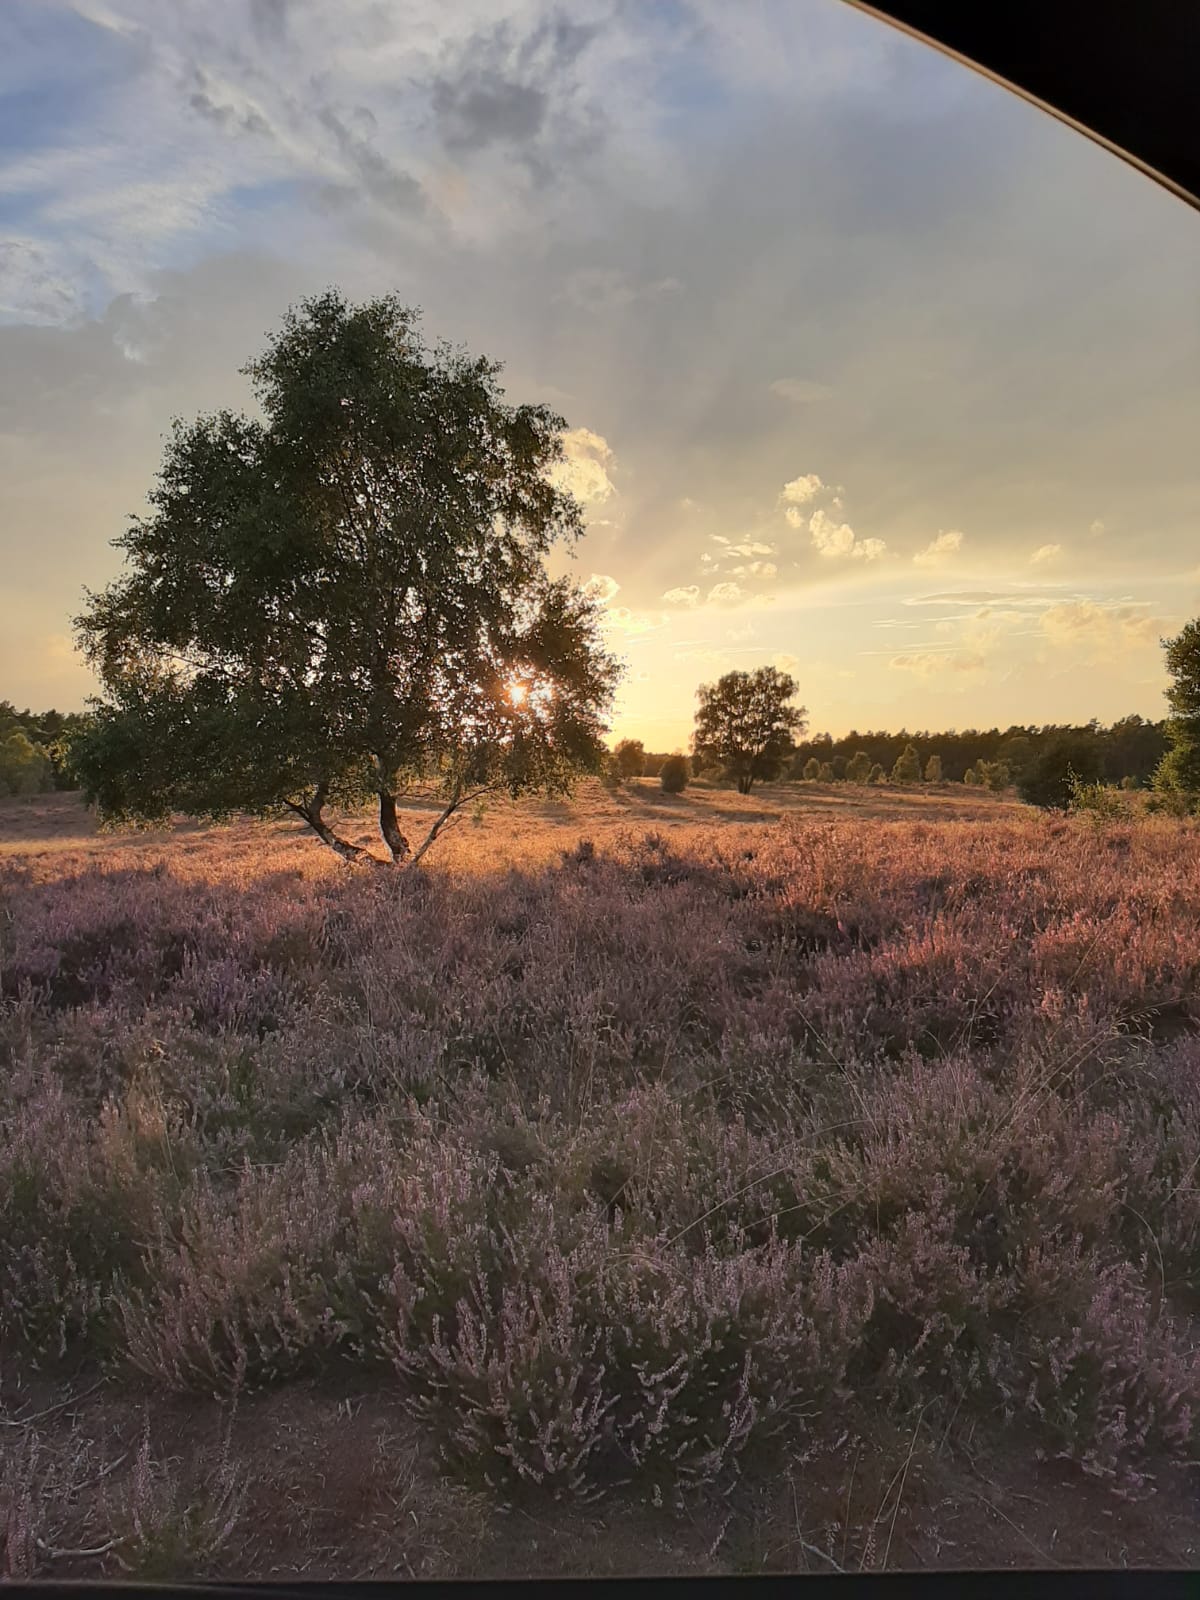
pixel 33 749
pixel 1130 748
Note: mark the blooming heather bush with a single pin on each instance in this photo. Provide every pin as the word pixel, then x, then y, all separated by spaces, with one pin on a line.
pixel 909 1121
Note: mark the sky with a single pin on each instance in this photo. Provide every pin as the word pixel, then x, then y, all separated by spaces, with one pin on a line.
pixel 871 370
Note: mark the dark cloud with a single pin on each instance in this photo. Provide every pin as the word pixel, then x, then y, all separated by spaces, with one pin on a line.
pixel 203 100
pixel 384 182
pixel 269 19
pixel 503 89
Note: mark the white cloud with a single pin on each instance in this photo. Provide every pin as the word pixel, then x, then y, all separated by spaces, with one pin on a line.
pixel 795 517
pixel 1100 629
pixel 1096 528
pixel 839 539
pixel 931 663
pixel 939 550
pixel 725 592
pixel 755 569
pixel 687 595
pixel 35 286
pixel 601 587
pixel 785 662
pixel 1045 553
pixel 802 489
pixel 800 391
pixel 634 622
pixel 751 548
pixel 584 470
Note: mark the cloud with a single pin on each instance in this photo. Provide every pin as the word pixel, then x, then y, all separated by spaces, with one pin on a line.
pixel 931 663
pixel 747 547
pixel 939 550
pixel 801 490
pixel 601 587
pixel 758 569
pixel 835 539
pixel 686 595
pixel 1045 553
pixel 722 592
pixel 604 289
pixel 800 391
pixel 634 622
pixel 35 286
pixel 584 470
pixel 785 662
pixel 1100 628
pixel 1096 528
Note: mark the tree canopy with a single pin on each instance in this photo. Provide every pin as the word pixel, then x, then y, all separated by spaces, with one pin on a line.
pixel 348 597
pixel 1179 770
pixel 746 723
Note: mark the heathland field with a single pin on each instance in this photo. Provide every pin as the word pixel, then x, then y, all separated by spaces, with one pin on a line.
pixel 644 1184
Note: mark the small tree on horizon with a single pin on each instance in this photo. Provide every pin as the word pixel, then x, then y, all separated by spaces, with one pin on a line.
pixel 349 597
pixel 907 768
pixel 878 775
pixel 746 723
pixel 933 770
pixel 812 769
pixel 825 772
pixel 858 768
pixel 630 758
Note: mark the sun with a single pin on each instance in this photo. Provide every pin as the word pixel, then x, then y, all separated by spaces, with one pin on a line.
pixel 518 692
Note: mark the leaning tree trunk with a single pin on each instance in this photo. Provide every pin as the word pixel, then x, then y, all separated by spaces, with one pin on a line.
pixel 389 827
pixel 312 812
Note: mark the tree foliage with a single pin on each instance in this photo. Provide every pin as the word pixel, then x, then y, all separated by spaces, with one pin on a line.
pixel 1179 770
pixel 858 768
pixel 673 774
pixel 348 598
pixel 907 768
pixel 811 770
pixel 1049 781
pixel 630 757
pixel 747 724
pixel 933 769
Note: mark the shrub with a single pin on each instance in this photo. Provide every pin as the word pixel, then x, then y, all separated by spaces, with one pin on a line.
pixel 993 775
pixel 674 774
pixel 812 770
pixel 878 775
pixel 1097 800
pixel 933 769
pixel 907 767
pixel 858 768
pixel 1047 781
pixel 825 772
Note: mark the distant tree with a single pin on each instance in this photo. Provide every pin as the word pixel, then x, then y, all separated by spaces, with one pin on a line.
pixel 878 775
pixel 24 766
pixel 825 772
pixel 971 778
pixel 1178 772
pixel 630 757
pixel 858 768
pixel 812 769
pixel 993 775
pixel 348 597
pixel 907 768
pixel 838 765
pixel 699 764
pixel 1017 753
pixel 674 774
pixel 1128 783
pixel 933 770
pixel 1047 782
pixel 746 723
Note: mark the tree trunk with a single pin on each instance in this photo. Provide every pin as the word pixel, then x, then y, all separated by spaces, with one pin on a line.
pixel 389 827
pixel 312 812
